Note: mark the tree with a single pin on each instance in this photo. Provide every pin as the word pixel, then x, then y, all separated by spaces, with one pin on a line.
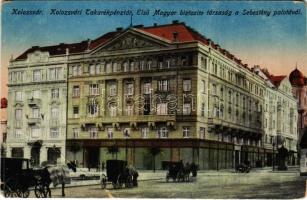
pixel 113 150
pixel 154 151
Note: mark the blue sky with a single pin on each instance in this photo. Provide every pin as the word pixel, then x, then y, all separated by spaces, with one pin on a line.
pixel 274 42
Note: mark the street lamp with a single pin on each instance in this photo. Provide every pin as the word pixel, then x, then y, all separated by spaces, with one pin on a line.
pixel 273 160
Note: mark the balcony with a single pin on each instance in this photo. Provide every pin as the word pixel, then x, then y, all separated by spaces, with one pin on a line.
pixel 33 121
pixel 128 119
pixel 34 102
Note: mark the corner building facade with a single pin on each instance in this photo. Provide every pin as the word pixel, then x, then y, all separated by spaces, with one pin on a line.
pixel 37 98
pixel 166 87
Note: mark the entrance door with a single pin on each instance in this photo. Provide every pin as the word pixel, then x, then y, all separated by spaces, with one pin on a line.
pixel 35 151
pixel 92 157
pixel 53 154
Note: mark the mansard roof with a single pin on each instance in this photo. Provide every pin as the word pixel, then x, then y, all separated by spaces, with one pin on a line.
pixel 177 32
pixel 276 80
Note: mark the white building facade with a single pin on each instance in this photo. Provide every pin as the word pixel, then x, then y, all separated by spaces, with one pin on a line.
pixel 37 107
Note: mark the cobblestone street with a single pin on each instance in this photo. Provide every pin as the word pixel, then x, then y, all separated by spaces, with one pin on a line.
pixel 257 184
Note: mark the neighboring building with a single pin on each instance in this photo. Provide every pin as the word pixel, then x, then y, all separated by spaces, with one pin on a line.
pixel 280 115
pixel 3 125
pixel 299 89
pixel 37 105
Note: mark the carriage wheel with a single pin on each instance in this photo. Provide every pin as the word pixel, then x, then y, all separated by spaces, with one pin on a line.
pixel 23 193
pixel 42 191
pixel 103 181
pixel 129 182
pixel 8 191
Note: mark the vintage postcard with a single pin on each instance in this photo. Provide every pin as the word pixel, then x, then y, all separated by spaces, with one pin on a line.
pixel 154 99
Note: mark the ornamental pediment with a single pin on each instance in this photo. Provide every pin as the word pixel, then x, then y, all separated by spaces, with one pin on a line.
pixel 38 57
pixel 132 42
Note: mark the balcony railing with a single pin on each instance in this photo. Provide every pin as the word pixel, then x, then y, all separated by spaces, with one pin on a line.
pixel 33 120
pixel 34 102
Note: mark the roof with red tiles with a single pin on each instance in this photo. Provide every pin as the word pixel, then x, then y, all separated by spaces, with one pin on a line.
pixel 276 80
pixel 182 32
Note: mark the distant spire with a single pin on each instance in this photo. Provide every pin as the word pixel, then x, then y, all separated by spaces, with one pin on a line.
pixel 295 65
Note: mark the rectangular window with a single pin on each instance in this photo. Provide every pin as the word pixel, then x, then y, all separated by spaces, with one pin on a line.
pixel 163 132
pixel 75 133
pixel 203 109
pixel 76 111
pixel 18 114
pixel 129 110
pixel 186 109
pixel 18 133
pixel 202 133
pixel 55 93
pixel 97 68
pixel 54 132
pixel 144 132
pixel 112 90
pixel 162 109
pixel 79 70
pixel 114 67
pixel 54 113
pixel 18 95
pixel 186 132
pixel 110 133
pixel 108 68
pixel 203 86
pixel 36 94
pixel 92 109
pixel 54 73
pixel 126 67
pixel 35 132
pixel 129 89
pixel 94 89
pixel 147 88
pixel 93 132
pixel 35 113
pixel 76 91
pixel 163 85
pixel 92 69
pixel 75 70
pixel 37 75
pixel 187 85
pixel 113 110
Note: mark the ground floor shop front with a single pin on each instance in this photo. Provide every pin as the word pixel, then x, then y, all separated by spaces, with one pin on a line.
pixel 154 153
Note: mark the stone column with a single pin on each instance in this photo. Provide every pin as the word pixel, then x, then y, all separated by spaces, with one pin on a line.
pixel 137 89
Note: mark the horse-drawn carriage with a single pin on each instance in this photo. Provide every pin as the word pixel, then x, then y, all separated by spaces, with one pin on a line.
pixel 119 175
pixel 180 173
pixel 17 179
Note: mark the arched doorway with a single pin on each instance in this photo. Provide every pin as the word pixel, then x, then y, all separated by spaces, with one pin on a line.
pixel 53 154
pixel 35 151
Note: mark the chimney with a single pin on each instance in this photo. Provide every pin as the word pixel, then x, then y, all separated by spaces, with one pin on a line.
pixel 67 51
pixel 155 24
pixel 175 36
pixel 175 22
pixel 119 28
pixel 88 44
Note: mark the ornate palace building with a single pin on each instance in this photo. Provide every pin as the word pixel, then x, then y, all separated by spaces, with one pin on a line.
pixel 167 87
